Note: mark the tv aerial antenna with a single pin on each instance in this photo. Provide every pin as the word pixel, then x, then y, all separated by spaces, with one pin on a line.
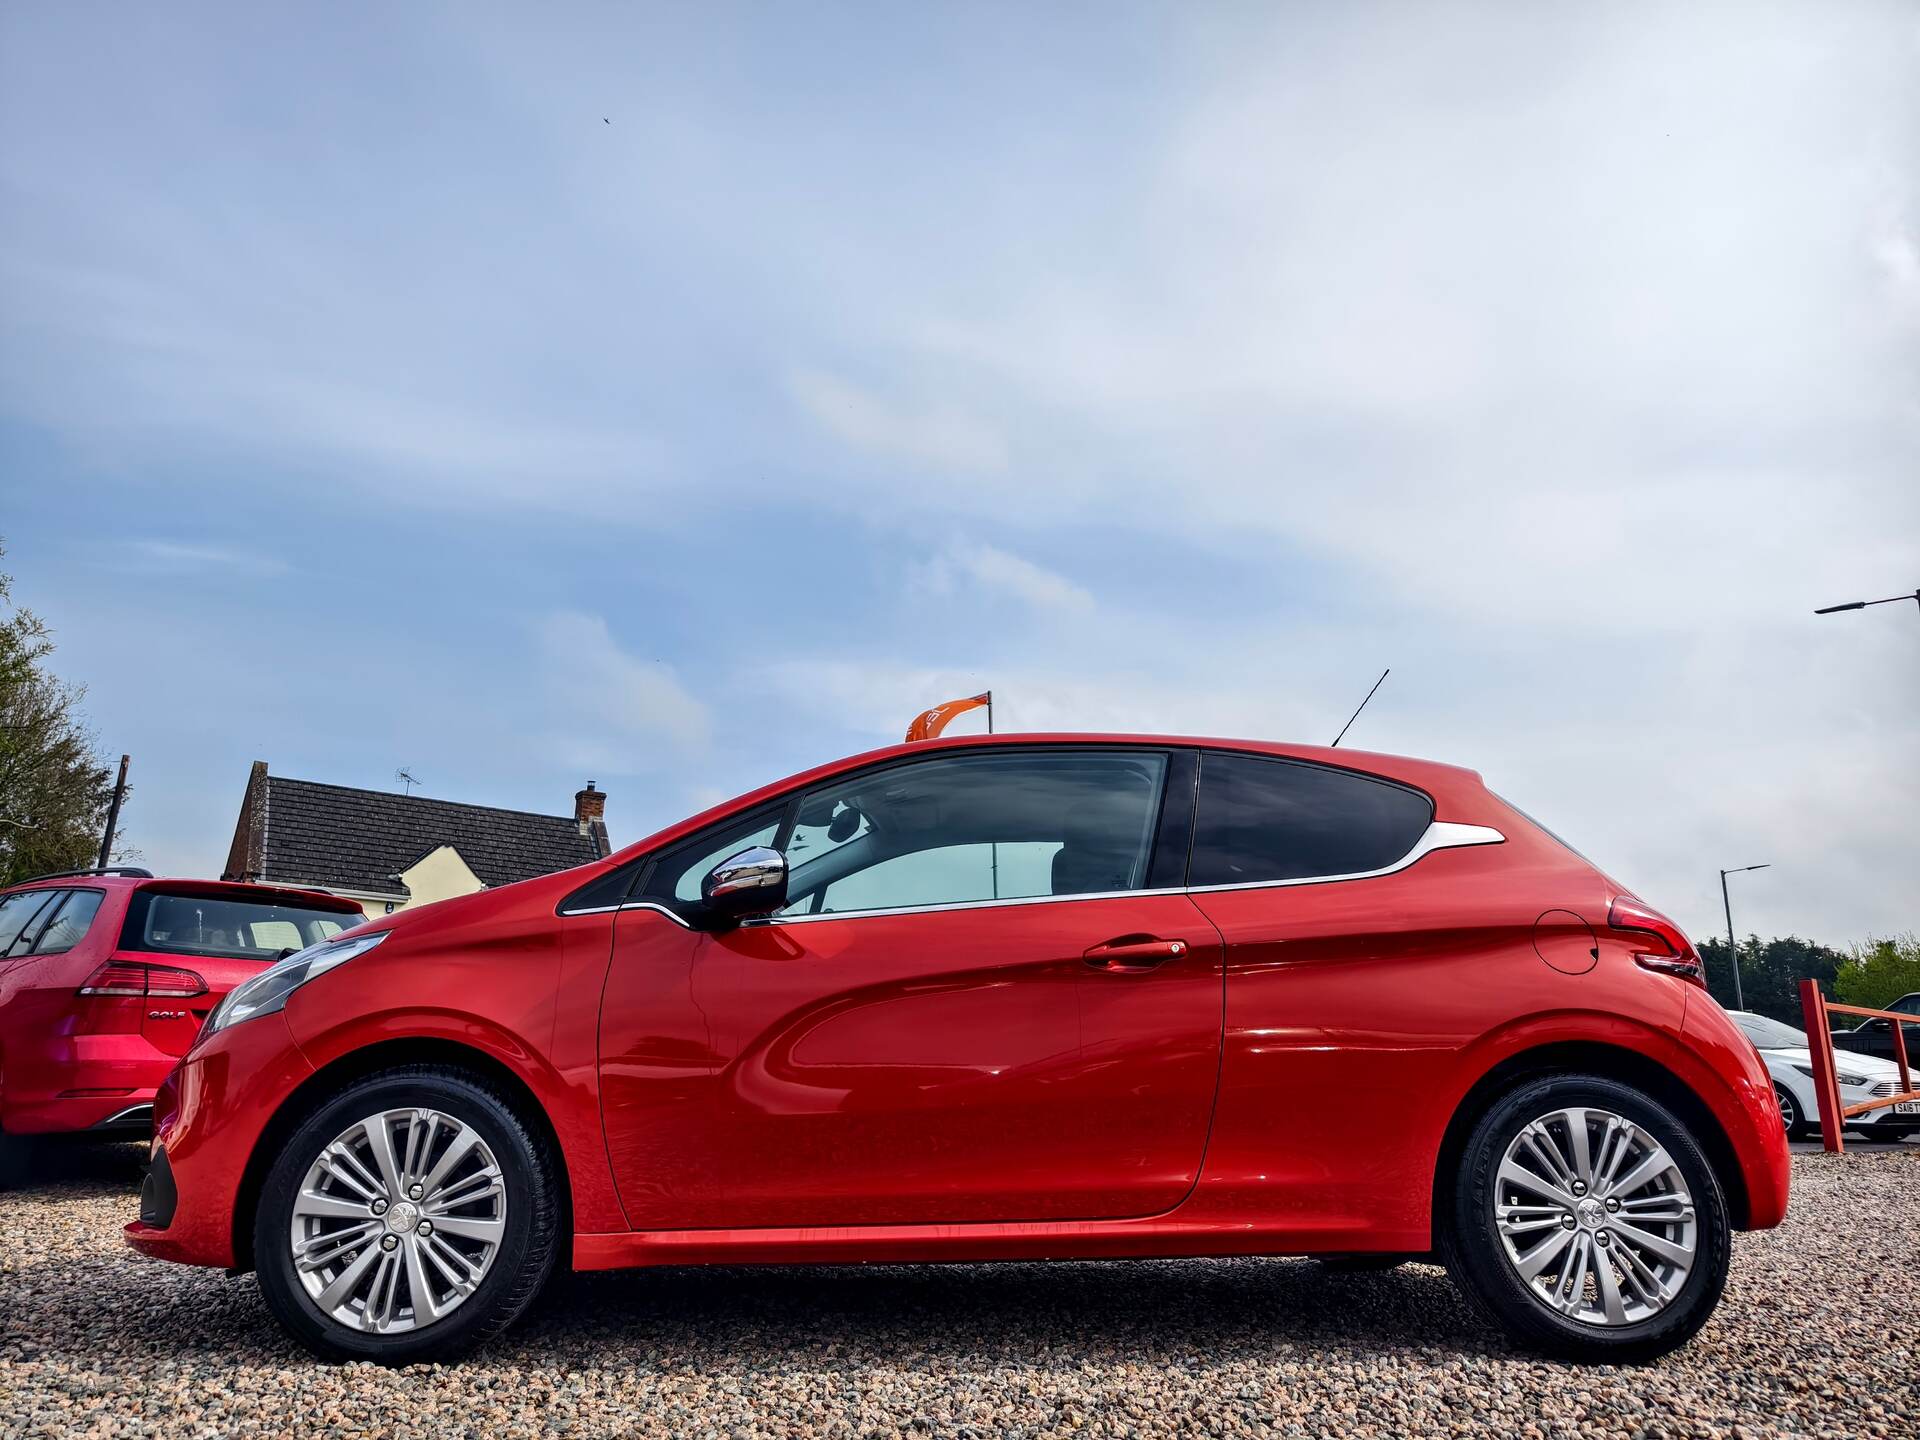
pixel 406 777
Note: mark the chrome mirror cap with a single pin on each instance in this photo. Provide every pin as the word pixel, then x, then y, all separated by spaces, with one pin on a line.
pixel 751 882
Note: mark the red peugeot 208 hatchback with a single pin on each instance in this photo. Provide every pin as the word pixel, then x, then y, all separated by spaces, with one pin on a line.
pixel 1017 998
pixel 106 975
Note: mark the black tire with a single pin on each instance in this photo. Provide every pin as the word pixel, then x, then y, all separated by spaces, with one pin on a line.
pixel 1360 1264
pixel 1476 1257
pixel 19 1155
pixel 1797 1125
pixel 528 1249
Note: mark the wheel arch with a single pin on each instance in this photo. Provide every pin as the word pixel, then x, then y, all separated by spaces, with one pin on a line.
pixel 335 1076
pixel 1613 1062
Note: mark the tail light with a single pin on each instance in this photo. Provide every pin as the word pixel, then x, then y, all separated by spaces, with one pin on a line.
pixel 131 978
pixel 1676 955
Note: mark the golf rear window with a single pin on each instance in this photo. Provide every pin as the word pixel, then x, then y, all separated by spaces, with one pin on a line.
pixel 238 928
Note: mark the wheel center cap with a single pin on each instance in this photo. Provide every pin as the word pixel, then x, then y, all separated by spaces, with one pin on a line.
pixel 1591 1212
pixel 403 1217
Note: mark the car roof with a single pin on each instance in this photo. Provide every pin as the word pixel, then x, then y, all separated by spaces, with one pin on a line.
pixel 211 889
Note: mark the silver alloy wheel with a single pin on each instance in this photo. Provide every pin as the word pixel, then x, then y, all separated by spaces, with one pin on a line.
pixel 1595 1216
pixel 398 1220
pixel 1789 1112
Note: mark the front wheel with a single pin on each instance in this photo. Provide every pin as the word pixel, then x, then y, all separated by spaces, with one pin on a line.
pixel 1790 1116
pixel 410 1217
pixel 1587 1223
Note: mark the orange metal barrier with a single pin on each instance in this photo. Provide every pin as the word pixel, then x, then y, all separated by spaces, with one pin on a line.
pixel 1815 1007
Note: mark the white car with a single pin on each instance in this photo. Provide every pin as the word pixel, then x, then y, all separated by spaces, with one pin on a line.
pixel 1861 1077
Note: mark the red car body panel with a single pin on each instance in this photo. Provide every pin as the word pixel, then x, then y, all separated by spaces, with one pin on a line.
pixel 70 1062
pixel 964 1084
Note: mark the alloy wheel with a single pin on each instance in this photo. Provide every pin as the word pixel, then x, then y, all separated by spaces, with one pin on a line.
pixel 398 1220
pixel 1595 1217
pixel 1789 1112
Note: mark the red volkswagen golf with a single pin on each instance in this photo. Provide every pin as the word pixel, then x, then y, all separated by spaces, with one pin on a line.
pixel 106 975
pixel 1018 998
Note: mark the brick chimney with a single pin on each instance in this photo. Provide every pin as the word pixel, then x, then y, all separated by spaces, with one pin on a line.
pixel 589 813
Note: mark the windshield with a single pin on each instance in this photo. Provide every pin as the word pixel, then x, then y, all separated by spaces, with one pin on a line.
pixel 239 929
pixel 1771 1034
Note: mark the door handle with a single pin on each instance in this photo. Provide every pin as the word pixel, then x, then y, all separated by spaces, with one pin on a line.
pixel 1134 952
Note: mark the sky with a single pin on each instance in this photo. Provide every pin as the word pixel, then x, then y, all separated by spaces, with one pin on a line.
pixel 676 397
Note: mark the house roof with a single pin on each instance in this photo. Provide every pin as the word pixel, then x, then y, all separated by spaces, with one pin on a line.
pixel 310 833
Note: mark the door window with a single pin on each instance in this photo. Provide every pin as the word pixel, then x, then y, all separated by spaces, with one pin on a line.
pixel 17 912
pixel 677 876
pixel 68 925
pixel 1264 819
pixel 962 828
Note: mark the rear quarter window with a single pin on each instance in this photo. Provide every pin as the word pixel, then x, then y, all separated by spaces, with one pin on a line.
pixel 1265 819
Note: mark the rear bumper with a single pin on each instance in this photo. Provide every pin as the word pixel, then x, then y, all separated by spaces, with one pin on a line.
pixel 83 1082
pixel 208 1117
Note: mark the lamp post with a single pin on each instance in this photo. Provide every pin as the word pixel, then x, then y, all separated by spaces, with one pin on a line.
pixel 1733 945
pixel 1863 604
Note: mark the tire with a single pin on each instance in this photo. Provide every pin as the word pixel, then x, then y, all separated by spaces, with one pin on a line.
pixel 481 1270
pixel 1635 1315
pixel 1797 1125
pixel 19 1155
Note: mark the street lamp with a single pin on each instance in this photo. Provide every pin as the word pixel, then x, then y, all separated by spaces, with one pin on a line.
pixel 1733 945
pixel 1863 604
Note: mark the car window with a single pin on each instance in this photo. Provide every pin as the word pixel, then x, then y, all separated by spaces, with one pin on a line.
pixel 680 870
pixel 960 828
pixel 1906 1005
pixel 1769 1034
pixel 214 925
pixel 1263 819
pixel 18 911
pixel 67 926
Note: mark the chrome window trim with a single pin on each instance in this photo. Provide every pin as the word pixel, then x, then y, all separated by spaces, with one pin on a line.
pixel 1439 835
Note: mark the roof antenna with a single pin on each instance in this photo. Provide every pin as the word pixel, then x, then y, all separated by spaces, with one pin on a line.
pixel 410 779
pixel 1362 705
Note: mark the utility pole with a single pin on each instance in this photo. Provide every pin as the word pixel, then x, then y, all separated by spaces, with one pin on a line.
pixel 1733 944
pixel 113 815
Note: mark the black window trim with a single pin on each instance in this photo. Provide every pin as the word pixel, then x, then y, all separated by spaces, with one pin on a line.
pixel 1438 835
pixel 55 911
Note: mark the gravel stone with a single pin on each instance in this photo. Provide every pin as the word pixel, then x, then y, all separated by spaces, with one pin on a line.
pixel 97 1341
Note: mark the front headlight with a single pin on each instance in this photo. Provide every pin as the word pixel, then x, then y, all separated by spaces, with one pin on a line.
pixel 1840 1076
pixel 268 991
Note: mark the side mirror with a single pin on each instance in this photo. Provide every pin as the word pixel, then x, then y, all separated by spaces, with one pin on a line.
pixel 746 885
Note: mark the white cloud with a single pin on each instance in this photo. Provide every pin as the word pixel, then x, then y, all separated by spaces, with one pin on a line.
pixel 182 557
pixel 941 438
pixel 1001 572
pixel 609 709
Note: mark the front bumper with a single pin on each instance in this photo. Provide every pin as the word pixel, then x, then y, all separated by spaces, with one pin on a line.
pixel 208 1119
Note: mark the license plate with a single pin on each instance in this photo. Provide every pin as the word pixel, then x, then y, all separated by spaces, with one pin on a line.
pixel 1907 1107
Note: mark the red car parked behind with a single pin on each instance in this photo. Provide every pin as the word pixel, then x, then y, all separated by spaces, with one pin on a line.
pixel 106 976
pixel 1023 997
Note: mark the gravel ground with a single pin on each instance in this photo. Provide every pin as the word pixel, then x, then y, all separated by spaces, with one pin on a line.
pixel 95 1340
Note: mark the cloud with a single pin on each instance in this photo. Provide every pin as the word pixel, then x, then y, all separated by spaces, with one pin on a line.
pixel 182 558
pixel 1001 572
pixel 607 708
pixel 939 438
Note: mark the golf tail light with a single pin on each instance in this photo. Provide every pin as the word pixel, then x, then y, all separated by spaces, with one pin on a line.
pixel 133 979
pixel 1670 954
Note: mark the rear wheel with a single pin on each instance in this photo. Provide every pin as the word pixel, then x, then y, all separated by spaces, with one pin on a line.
pixel 411 1217
pixel 1587 1223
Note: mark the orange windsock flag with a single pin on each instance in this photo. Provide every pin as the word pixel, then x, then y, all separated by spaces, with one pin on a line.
pixel 929 723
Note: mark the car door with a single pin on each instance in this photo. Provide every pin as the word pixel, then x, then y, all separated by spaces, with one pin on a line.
pixel 974 1007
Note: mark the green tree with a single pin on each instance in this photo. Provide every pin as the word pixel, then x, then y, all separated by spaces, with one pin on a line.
pixel 54 788
pixel 1770 972
pixel 1879 972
